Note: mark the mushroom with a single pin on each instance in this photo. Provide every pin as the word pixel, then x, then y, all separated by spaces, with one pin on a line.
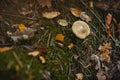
pixel 81 29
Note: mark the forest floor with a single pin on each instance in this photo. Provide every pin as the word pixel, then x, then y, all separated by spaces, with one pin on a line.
pixel 37 41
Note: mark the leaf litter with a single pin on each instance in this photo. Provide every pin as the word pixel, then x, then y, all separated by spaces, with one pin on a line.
pixel 72 56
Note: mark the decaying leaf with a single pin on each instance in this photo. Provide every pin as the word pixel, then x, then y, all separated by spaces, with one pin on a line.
pixel 42 59
pixel 45 3
pixel 105 46
pixel 22 27
pixel 96 61
pixel 85 17
pixel 50 15
pixel 108 20
pixel 25 34
pixel 71 45
pixel 102 6
pixel 34 53
pixel 101 75
pixel 75 11
pixel 4 49
pixel 42 49
pixel 79 76
pixel 59 37
pixel 62 22
pixel 105 56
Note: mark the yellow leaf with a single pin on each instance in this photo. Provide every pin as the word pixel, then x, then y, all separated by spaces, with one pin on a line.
pixel 70 46
pixel 51 15
pixel 4 49
pixel 59 37
pixel 76 12
pixel 22 27
pixel 42 59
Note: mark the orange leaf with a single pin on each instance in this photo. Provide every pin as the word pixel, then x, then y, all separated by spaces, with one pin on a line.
pixel 4 49
pixel 59 37
pixel 51 15
pixel 76 12
pixel 22 27
pixel 70 46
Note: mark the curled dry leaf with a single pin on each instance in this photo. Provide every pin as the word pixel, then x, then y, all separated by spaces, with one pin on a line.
pixel 34 53
pixel 75 11
pixel 102 6
pixel 85 17
pixel 50 15
pixel 79 76
pixel 42 59
pixel 59 37
pixel 45 3
pixel 4 49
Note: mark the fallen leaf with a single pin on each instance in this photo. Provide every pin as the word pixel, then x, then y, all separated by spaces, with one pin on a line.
pixel 85 17
pixel 62 22
pixel 50 15
pixel 4 49
pixel 75 11
pixel 79 76
pixel 108 20
pixel 59 37
pixel 34 53
pixel 42 59
pixel 71 45
pixel 91 4
pixel 105 56
pixel 42 49
pixel 105 46
pixel 102 6
pixel 45 3
pixel 101 75
pixel 22 27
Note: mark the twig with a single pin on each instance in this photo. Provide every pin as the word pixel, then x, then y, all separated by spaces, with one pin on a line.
pixel 17 59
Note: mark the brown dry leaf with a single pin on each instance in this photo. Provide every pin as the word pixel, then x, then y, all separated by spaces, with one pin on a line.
pixel 108 20
pixel 45 3
pixel 34 53
pixel 4 49
pixel 100 75
pixel 42 59
pixel 42 49
pixel 75 11
pixel 59 37
pixel 51 15
pixel 108 32
pixel 105 46
pixel 102 5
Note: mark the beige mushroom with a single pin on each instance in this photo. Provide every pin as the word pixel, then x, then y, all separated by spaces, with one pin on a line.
pixel 81 29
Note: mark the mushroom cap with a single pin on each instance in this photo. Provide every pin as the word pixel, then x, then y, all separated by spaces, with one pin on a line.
pixel 80 29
